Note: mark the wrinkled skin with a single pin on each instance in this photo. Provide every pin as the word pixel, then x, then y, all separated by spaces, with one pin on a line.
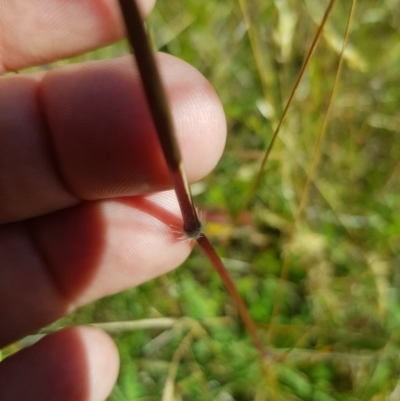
pixel 81 171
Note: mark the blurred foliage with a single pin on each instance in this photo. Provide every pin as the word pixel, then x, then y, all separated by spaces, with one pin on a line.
pixel 333 322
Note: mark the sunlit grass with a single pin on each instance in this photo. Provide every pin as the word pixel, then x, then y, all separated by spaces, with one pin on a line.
pixel 337 333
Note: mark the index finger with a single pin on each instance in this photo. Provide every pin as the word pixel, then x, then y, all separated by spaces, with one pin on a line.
pixel 36 32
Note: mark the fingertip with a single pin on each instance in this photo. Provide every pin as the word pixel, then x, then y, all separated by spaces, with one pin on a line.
pixel 78 363
pixel 31 32
pixel 199 116
pixel 102 362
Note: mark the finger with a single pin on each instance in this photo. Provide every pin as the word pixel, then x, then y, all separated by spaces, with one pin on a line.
pixel 84 132
pixel 37 32
pixel 79 364
pixel 54 263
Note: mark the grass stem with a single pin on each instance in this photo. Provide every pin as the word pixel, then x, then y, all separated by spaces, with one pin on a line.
pixel 160 111
pixel 267 154
pixel 217 263
pixel 312 171
pixel 161 114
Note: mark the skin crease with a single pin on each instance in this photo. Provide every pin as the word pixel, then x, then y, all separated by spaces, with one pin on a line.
pixel 81 215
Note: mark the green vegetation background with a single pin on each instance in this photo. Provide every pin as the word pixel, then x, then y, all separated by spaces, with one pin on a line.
pixel 333 321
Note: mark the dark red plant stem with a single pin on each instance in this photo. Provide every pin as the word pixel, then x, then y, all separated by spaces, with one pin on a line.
pixel 191 223
pixel 216 261
pixel 161 114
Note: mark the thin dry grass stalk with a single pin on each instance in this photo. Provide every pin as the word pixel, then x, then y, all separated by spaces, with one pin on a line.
pixel 313 168
pixel 267 154
pixel 160 112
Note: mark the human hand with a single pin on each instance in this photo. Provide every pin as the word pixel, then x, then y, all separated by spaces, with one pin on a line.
pixel 80 167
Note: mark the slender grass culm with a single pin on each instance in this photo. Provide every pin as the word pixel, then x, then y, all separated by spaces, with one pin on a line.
pixel 161 115
pixel 311 93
